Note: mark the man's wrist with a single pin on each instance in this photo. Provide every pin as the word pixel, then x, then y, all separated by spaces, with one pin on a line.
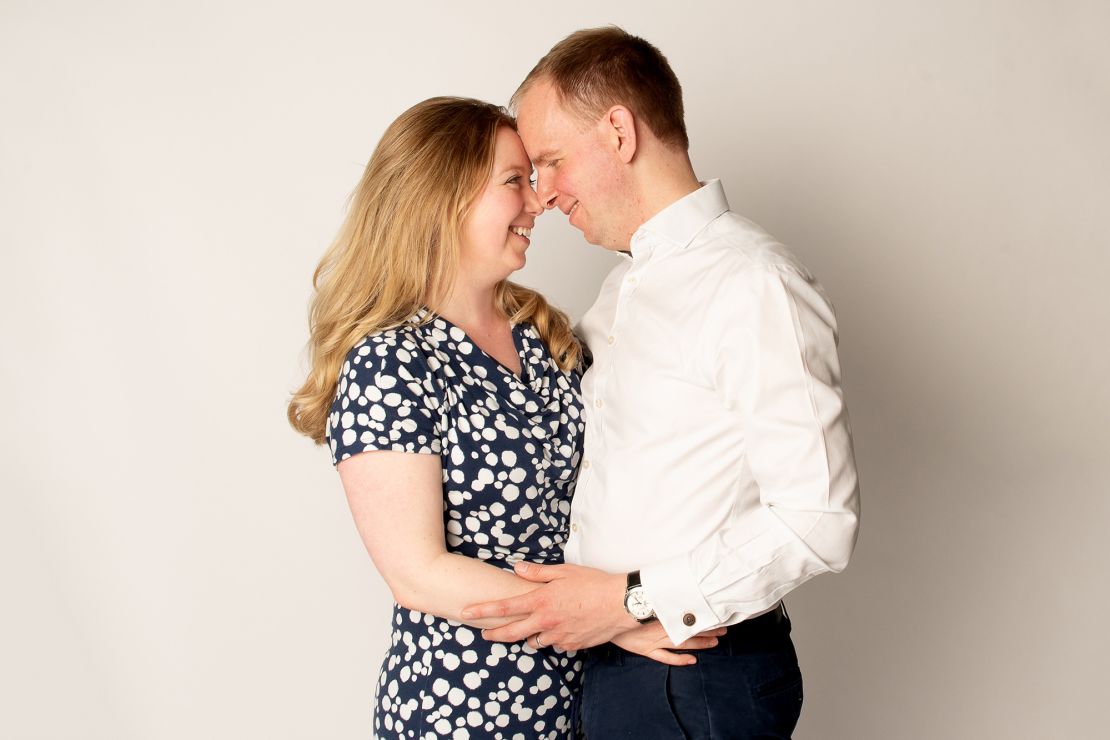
pixel 636 602
pixel 622 620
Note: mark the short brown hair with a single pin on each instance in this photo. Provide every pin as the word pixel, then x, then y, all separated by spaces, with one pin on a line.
pixel 596 68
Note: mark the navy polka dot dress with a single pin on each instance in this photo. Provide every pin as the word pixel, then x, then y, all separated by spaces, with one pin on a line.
pixel 510 449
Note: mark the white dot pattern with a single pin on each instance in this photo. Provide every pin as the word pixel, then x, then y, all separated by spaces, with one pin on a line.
pixel 510 449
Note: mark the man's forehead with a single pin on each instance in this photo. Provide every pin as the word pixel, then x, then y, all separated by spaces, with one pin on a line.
pixel 539 95
pixel 543 122
pixel 539 140
pixel 541 107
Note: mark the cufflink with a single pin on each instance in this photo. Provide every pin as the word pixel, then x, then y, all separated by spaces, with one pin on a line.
pixel 688 619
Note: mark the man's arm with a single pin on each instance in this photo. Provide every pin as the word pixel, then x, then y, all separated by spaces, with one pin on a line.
pixel 776 367
pixel 586 597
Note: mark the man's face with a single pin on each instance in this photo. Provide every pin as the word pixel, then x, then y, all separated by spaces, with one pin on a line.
pixel 577 168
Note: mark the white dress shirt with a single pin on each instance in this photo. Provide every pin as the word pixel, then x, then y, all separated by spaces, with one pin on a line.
pixel 718 457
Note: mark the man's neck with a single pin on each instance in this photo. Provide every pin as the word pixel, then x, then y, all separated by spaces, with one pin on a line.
pixel 670 193
pixel 667 181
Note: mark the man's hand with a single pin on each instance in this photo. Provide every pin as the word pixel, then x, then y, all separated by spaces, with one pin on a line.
pixel 577 607
pixel 651 641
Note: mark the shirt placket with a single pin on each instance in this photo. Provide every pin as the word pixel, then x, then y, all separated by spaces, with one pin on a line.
pixel 621 317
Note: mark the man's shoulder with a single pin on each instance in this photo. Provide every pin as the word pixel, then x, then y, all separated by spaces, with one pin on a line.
pixel 737 244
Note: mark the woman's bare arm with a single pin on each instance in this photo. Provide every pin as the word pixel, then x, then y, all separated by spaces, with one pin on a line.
pixel 397 502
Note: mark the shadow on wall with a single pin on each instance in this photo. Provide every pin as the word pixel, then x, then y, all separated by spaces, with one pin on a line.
pixel 971 411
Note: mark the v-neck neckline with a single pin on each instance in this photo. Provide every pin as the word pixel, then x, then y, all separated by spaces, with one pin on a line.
pixel 516 331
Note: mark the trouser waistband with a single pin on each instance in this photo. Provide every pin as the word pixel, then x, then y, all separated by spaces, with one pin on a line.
pixel 741 637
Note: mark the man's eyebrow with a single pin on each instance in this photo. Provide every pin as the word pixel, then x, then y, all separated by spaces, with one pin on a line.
pixel 543 157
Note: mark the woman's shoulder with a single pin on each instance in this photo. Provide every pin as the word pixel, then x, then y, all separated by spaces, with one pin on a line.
pixel 403 342
pixel 386 398
pixel 395 359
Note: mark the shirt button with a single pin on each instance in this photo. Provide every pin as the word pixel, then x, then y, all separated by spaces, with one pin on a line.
pixel 612 340
pixel 688 619
pixel 574 527
pixel 585 463
pixel 599 403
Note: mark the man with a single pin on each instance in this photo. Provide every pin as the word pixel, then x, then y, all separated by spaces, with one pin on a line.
pixel 718 472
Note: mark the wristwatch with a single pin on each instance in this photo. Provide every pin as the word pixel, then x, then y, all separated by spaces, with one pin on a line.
pixel 635 601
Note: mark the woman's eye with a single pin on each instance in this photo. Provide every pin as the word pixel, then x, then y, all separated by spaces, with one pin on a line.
pixel 532 181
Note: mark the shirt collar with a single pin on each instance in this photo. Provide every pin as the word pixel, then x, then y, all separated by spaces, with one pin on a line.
pixel 676 225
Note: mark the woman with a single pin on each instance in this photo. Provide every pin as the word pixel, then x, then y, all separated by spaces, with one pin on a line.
pixel 450 400
pixel 437 354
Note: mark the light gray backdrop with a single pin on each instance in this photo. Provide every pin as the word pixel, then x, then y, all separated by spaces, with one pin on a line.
pixel 177 564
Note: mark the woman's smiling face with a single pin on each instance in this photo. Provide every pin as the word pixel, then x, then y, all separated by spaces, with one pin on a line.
pixel 497 231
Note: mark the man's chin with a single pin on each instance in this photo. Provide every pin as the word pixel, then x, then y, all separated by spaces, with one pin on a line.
pixel 598 240
pixel 590 237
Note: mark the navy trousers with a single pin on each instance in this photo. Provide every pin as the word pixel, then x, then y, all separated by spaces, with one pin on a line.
pixel 746 687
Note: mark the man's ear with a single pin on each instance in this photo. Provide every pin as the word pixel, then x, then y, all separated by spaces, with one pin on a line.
pixel 620 126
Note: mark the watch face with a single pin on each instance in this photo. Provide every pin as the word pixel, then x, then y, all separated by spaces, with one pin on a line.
pixel 637 606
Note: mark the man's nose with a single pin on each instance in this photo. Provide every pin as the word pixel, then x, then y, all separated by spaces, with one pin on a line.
pixel 546 191
pixel 532 205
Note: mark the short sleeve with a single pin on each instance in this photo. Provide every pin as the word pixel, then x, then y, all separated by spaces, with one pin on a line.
pixel 385 399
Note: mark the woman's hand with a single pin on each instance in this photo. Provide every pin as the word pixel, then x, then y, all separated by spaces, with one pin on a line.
pixel 651 641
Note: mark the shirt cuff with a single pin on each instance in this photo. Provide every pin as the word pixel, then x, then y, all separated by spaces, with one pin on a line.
pixel 672 590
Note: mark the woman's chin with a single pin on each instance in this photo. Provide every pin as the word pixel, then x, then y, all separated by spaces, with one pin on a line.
pixel 506 274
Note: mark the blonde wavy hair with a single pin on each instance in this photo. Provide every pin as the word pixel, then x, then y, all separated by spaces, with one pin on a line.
pixel 398 247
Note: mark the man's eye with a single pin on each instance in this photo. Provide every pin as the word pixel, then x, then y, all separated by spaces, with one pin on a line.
pixel 532 181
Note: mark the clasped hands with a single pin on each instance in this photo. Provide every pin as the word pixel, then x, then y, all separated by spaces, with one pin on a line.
pixel 579 607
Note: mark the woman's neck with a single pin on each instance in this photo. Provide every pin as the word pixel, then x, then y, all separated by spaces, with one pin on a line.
pixel 470 308
pixel 476 313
